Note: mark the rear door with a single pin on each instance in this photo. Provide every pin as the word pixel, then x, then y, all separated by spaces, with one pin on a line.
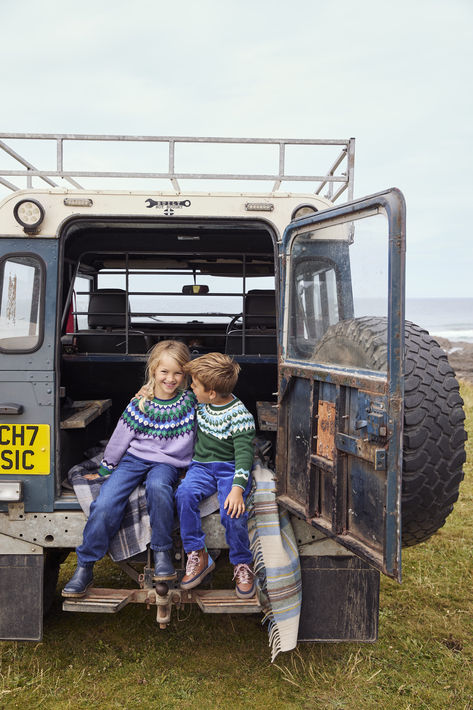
pixel 28 284
pixel 339 458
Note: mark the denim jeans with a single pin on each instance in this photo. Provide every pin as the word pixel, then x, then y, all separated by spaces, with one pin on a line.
pixel 201 481
pixel 106 511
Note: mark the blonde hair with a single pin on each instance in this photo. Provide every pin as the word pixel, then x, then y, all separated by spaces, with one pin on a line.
pixel 215 371
pixel 175 349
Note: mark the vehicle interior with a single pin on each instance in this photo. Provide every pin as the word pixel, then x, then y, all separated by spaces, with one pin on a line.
pixel 128 285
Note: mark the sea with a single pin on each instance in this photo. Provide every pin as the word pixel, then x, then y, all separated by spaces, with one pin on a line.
pixel 450 318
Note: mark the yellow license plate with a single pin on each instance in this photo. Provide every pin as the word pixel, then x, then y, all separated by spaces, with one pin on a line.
pixel 24 449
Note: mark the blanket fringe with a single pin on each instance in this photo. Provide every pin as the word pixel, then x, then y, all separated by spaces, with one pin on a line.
pixel 273 548
pixel 274 641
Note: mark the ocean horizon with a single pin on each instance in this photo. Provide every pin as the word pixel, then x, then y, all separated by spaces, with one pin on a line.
pixel 450 318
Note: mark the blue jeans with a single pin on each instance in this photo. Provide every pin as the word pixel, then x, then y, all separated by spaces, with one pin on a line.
pixel 201 481
pixel 106 511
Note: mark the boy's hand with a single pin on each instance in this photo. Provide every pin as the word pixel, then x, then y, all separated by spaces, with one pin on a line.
pixel 234 503
pixel 142 392
pixel 92 476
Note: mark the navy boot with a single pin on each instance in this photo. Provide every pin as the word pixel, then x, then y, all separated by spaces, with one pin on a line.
pixel 163 566
pixel 80 581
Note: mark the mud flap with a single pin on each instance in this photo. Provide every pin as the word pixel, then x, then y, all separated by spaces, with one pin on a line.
pixel 21 597
pixel 340 599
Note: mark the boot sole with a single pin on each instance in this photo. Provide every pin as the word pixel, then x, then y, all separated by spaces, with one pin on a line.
pixel 164 577
pixel 197 580
pixel 76 595
pixel 247 595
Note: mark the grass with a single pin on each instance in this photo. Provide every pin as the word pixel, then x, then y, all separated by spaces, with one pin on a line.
pixel 422 660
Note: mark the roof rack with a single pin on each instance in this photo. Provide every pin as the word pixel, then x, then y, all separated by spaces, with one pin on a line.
pixel 336 183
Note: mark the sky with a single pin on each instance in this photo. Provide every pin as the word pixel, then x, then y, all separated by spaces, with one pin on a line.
pixel 394 75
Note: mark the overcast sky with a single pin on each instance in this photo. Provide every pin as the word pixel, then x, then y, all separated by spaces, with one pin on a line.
pixel 395 75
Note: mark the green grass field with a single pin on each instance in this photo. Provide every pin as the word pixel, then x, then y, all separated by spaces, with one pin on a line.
pixel 423 658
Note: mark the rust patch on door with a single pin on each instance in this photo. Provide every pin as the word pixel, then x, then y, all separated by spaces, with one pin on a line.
pixel 326 430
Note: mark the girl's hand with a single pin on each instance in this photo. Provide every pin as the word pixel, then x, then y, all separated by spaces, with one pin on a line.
pixel 92 476
pixel 142 392
pixel 234 503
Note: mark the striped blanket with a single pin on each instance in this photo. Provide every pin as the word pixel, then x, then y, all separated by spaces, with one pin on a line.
pixel 276 560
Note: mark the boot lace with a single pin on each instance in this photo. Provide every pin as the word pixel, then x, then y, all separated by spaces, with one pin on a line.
pixel 243 574
pixel 192 562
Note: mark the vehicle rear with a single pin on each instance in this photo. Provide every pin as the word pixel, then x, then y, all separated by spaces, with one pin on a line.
pixel 306 295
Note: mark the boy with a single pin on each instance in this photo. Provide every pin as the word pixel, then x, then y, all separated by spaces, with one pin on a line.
pixel 222 461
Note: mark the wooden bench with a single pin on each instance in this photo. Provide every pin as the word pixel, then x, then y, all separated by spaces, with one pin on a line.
pixel 84 412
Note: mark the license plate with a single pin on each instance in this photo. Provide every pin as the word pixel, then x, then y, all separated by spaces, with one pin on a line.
pixel 24 449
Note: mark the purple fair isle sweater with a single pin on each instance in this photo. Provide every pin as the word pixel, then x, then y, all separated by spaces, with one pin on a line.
pixel 165 432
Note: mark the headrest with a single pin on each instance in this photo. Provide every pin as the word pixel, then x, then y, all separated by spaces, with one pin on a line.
pixel 107 308
pixel 260 304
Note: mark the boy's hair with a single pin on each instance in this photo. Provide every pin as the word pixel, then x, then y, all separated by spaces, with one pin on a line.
pixel 175 349
pixel 215 371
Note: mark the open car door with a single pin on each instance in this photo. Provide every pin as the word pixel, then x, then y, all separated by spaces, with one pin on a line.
pixel 339 457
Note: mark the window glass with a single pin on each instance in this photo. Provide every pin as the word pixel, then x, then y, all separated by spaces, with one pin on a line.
pixel 20 293
pixel 80 302
pixel 338 287
pixel 163 300
pixel 315 305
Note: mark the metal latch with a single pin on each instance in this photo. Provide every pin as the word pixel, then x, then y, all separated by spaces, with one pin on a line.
pixel 362 449
pixel 376 423
pixel 371 416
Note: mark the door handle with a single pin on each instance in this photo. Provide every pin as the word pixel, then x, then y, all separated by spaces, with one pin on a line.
pixel 10 408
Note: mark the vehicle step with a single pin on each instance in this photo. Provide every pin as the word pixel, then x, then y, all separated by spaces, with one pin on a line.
pixel 225 601
pixel 105 601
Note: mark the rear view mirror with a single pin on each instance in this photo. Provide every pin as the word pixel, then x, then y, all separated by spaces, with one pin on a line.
pixel 195 289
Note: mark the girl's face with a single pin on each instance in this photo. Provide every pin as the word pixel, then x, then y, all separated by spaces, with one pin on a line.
pixel 168 377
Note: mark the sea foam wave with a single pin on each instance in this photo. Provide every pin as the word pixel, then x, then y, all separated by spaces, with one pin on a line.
pixel 453 334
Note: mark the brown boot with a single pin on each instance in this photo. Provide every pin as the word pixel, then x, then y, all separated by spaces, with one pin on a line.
pixel 199 564
pixel 244 581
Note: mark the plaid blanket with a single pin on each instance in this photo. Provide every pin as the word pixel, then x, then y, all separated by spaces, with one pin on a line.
pixel 276 560
pixel 134 534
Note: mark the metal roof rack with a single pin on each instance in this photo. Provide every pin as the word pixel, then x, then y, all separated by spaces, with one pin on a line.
pixel 336 183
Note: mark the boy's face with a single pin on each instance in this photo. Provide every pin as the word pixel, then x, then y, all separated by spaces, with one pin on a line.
pixel 203 396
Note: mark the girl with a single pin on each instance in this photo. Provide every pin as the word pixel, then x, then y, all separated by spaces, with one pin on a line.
pixel 154 438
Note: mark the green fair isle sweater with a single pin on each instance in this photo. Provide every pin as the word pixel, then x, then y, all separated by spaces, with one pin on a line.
pixel 226 433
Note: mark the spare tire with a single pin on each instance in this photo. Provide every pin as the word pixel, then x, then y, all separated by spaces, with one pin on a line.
pixel 434 433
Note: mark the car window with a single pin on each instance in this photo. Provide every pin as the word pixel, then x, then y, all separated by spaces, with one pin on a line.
pixel 21 294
